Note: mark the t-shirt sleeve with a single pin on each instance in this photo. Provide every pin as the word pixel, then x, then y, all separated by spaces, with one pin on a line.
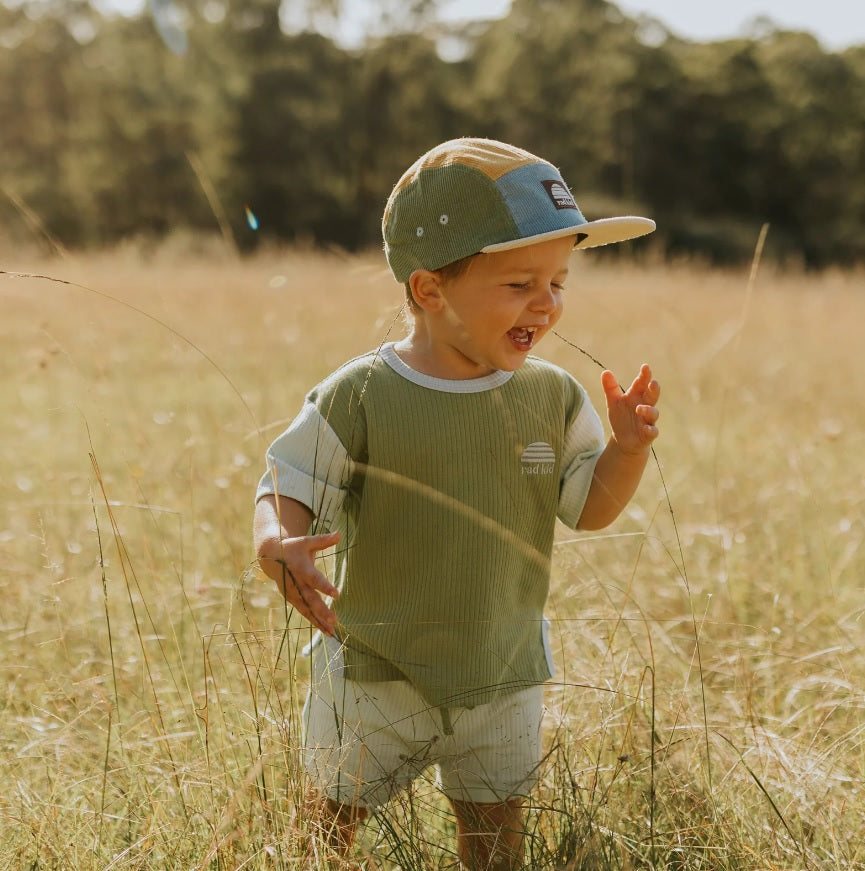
pixel 309 463
pixel 584 443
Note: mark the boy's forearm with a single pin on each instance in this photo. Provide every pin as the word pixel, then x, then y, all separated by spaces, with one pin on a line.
pixel 287 554
pixel 614 482
pixel 277 518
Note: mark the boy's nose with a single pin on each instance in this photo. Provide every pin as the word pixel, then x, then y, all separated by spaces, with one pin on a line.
pixel 546 300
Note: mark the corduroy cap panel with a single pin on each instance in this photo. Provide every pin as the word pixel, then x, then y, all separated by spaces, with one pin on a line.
pixel 488 156
pixel 539 201
pixel 443 215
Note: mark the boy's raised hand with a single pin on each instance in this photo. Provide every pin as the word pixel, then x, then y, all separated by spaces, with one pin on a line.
pixel 632 412
pixel 290 562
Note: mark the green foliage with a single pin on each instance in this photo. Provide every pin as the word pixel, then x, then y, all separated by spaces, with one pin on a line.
pixel 109 134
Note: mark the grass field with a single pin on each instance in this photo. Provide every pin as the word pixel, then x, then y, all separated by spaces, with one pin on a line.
pixel 708 706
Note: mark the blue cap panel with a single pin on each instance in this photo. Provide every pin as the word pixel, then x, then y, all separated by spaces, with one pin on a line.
pixel 539 200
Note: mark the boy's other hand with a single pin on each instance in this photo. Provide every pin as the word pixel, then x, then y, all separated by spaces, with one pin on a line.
pixel 290 562
pixel 632 412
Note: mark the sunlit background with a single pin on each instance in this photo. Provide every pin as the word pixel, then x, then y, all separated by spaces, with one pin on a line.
pixel 190 204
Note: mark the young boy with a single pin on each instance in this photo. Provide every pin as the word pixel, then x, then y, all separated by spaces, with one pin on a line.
pixel 438 464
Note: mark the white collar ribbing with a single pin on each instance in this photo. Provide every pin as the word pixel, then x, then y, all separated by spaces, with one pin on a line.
pixel 444 385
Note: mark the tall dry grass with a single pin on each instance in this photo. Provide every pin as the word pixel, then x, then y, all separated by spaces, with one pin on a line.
pixel 707 710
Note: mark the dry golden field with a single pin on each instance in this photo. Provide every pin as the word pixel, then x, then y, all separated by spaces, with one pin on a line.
pixel 709 706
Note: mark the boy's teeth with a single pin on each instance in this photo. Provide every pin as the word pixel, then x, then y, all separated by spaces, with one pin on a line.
pixel 523 337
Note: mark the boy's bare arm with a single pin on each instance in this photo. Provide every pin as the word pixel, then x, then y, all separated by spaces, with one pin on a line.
pixel 633 416
pixel 287 555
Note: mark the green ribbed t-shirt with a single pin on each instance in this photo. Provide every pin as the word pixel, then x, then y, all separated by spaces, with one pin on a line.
pixel 447 494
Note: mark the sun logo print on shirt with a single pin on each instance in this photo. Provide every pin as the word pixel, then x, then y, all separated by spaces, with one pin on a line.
pixel 538 459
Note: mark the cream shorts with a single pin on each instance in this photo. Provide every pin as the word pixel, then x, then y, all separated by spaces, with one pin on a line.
pixel 365 741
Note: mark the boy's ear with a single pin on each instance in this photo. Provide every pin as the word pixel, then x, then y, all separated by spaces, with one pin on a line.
pixel 426 288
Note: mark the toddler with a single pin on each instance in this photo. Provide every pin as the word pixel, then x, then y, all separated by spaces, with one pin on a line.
pixel 437 465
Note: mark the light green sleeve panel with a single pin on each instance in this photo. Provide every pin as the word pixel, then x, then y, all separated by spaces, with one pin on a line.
pixel 309 463
pixel 584 443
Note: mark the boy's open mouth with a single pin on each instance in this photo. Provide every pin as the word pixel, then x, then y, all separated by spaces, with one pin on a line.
pixel 523 337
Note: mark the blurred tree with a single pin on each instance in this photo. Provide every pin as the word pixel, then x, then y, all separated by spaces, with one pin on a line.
pixel 820 119
pixel 102 126
pixel 131 129
pixel 110 130
pixel 395 114
pixel 36 103
pixel 551 76
pixel 291 160
pixel 703 120
pixel 324 132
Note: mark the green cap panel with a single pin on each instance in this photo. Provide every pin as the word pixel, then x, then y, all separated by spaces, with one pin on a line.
pixel 443 215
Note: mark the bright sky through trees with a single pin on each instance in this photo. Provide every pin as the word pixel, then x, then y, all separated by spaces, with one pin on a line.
pixel 836 23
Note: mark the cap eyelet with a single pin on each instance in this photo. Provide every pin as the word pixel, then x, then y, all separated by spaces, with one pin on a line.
pixel 443 220
pixel 419 232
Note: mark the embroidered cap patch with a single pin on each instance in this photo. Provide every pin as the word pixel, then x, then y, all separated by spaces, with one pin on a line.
pixel 559 194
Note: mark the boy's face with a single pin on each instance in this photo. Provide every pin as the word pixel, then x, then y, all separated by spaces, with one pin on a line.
pixel 496 311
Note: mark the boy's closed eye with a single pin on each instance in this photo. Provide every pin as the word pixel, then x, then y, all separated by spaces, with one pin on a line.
pixel 528 285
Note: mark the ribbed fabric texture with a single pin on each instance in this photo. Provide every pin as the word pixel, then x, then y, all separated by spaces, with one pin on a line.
pixel 449 521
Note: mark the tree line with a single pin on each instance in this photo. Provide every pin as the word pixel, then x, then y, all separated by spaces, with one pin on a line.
pixel 222 117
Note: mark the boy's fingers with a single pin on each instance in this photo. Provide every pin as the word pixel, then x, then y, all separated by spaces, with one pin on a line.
pixel 652 392
pixel 643 379
pixel 306 599
pixel 320 582
pixel 610 383
pixel 322 618
pixel 313 581
pixel 323 540
pixel 649 413
pixel 323 625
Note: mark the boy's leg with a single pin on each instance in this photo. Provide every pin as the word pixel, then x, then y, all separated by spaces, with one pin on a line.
pixel 486 769
pixel 335 822
pixel 490 836
pixel 362 743
pixel 345 822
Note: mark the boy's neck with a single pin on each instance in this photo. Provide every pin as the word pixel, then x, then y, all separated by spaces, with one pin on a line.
pixel 425 353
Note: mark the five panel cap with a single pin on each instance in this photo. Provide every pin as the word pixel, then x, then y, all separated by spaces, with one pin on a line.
pixel 469 196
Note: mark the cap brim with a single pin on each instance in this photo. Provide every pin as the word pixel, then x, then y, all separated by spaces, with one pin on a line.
pixel 592 234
